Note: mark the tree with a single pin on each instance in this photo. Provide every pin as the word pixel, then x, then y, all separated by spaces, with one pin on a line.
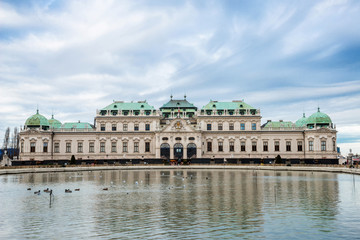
pixel 6 138
pixel 278 159
pixel 73 160
pixel 13 139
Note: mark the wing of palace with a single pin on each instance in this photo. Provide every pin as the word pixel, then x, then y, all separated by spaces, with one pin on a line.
pixel 179 130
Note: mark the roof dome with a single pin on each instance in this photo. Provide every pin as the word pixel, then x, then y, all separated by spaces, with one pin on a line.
pixel 37 120
pixel 301 122
pixel 319 118
pixel 54 123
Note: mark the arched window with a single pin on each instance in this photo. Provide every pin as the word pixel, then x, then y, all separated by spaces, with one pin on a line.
pixel 165 145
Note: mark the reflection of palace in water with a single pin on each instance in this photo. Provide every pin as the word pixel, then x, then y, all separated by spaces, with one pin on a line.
pixel 186 193
pixel 179 130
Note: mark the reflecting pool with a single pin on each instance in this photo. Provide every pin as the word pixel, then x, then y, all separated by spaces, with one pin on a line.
pixel 180 204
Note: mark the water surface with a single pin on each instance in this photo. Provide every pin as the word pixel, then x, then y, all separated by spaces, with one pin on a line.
pixel 180 204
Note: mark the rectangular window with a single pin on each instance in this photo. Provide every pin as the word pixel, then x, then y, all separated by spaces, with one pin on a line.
pixel 323 145
pixel 113 127
pixel 253 146
pixel 242 126
pixel 32 147
pixel 265 147
pixel 22 147
pixel 113 147
pixel 102 126
pixel 208 127
pixel 91 147
pixel 209 146
pixel 311 145
pixel 334 145
pixel 147 147
pixel 253 126
pixel 125 127
pixel 56 147
pixel 102 147
pixel 136 147
pixel 136 127
pixel 221 147
pixel 220 126
pixel 68 147
pixel 147 127
pixel 80 147
pixel 299 144
pixel 125 146
pixel 231 126
pixel 288 146
pixel 242 145
pixel 277 146
pixel 45 147
pixel 231 146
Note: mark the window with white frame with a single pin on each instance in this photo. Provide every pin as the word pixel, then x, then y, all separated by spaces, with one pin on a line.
pixel 102 147
pixel 265 147
pixel 300 146
pixel 91 147
pixel 45 147
pixel 147 146
pixel 311 145
pixel 136 147
pixel 288 146
pixel 32 146
pixel 323 145
pixel 113 147
pixel 220 146
pixel 231 146
pixel 125 146
pixel 56 147
pixel 80 147
pixel 243 147
pixel 253 147
pixel 68 147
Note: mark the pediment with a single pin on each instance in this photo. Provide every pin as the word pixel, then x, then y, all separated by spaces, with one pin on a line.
pixel 178 125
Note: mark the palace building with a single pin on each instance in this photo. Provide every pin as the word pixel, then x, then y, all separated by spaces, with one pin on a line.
pixel 179 130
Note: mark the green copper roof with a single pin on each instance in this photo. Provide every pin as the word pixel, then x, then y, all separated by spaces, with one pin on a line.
pixel 54 123
pixel 71 125
pixel 279 124
pixel 118 105
pixel 37 120
pixel 227 105
pixel 319 118
pixel 175 104
pixel 301 122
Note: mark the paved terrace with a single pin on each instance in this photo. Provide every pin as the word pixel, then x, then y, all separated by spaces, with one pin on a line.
pixel 333 169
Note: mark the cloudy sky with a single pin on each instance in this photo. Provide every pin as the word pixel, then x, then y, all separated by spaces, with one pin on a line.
pixel 284 57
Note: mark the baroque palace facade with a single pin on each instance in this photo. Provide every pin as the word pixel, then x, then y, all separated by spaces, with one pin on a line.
pixel 179 130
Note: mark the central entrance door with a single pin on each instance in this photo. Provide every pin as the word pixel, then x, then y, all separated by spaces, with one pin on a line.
pixel 178 151
pixel 165 151
pixel 191 150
